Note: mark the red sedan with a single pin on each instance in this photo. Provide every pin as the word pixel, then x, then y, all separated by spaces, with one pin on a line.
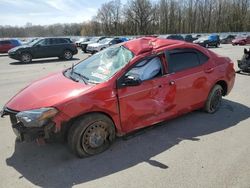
pixel 7 44
pixel 241 41
pixel 119 90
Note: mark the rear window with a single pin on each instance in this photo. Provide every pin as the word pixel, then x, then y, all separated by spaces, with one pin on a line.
pixel 182 61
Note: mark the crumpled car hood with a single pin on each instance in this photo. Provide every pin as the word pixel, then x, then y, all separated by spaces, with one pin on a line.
pixel 47 92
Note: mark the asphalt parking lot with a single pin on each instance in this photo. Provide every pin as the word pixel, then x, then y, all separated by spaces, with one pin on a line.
pixel 195 150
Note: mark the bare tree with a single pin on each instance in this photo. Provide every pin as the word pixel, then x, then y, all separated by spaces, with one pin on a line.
pixel 142 17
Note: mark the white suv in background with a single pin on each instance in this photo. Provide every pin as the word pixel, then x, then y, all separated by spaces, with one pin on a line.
pixel 96 47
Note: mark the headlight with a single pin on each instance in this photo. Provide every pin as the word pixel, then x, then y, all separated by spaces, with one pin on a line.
pixel 37 117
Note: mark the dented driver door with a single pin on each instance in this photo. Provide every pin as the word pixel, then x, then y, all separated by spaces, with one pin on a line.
pixel 147 103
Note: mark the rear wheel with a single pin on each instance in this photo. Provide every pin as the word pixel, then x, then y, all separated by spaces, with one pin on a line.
pixel 26 58
pixel 67 54
pixel 91 134
pixel 214 99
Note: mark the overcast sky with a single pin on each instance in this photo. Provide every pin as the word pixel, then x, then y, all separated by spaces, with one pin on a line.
pixel 45 12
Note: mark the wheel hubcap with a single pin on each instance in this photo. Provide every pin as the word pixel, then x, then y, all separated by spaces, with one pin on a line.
pixel 67 55
pixel 26 58
pixel 95 136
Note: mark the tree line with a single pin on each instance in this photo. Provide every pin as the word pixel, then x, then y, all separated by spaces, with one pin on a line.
pixel 145 17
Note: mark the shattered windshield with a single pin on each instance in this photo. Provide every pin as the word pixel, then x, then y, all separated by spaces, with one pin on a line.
pixel 103 65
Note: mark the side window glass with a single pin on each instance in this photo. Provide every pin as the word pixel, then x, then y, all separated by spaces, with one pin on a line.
pixel 6 42
pixel 182 61
pixel 51 42
pixel 147 69
pixel 62 41
pixel 44 42
pixel 202 57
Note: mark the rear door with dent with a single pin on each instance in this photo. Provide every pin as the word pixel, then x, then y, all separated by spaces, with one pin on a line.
pixel 187 71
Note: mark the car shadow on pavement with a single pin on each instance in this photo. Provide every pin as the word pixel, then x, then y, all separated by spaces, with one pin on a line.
pixel 243 73
pixel 42 61
pixel 52 165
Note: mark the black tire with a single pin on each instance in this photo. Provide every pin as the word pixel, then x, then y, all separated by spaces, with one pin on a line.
pixel 214 99
pixel 84 49
pixel 67 54
pixel 91 134
pixel 26 58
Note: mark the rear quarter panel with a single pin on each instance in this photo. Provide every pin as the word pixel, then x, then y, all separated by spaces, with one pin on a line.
pixel 224 70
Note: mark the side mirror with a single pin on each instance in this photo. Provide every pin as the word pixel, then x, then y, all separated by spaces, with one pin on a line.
pixel 38 45
pixel 131 81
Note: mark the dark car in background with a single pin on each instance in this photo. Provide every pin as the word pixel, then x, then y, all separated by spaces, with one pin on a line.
pixel 207 41
pixel 7 44
pixel 190 38
pixel 63 48
pixel 175 37
pixel 227 39
pixel 84 45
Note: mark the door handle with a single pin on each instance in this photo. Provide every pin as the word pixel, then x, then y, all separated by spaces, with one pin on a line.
pixel 209 70
pixel 172 83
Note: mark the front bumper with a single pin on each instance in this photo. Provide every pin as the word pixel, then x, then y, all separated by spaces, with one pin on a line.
pixel 14 56
pixel 28 134
pixel 91 49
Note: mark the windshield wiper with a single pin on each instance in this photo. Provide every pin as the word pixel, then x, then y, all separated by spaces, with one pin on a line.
pixel 71 77
pixel 84 78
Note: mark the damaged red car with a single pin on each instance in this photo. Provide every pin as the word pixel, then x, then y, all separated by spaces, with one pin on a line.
pixel 123 88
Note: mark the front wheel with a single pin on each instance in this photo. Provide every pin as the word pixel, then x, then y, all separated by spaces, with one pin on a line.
pixel 26 58
pixel 91 134
pixel 67 54
pixel 214 99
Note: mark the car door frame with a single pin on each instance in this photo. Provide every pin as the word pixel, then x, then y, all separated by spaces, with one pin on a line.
pixel 40 51
pixel 131 122
pixel 203 69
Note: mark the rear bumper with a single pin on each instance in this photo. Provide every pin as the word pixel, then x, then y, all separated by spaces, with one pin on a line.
pixel 84 47
pixel 75 51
